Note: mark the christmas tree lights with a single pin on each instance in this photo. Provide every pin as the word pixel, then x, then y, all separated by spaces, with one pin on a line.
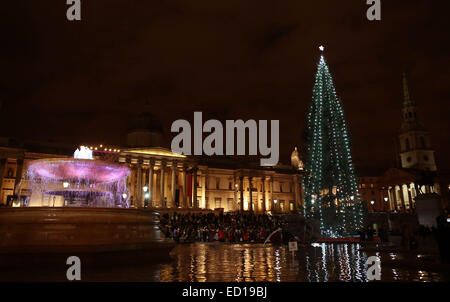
pixel 331 187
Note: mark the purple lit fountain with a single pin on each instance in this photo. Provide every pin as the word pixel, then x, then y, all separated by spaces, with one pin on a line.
pixel 79 181
pixel 78 206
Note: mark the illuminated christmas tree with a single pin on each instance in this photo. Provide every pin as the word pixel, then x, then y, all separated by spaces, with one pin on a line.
pixel 331 188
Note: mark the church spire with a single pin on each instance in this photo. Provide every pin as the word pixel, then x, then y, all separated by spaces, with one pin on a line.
pixel 409 109
pixel 415 143
pixel 406 98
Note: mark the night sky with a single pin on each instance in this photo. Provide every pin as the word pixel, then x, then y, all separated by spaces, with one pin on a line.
pixel 83 81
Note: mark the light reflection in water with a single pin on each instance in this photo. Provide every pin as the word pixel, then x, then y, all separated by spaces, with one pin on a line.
pixel 255 262
pixel 222 262
pixel 324 262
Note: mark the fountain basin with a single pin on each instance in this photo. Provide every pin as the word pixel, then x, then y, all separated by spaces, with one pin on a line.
pixel 50 231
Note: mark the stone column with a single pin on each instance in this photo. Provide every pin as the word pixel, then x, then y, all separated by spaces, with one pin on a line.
pixel 163 202
pixel 150 182
pixel 257 207
pixel 184 203
pixel 194 191
pixel 203 179
pixel 263 180
pixel 2 173
pixel 394 189
pixel 272 204
pixel 391 197
pixel 402 199
pixel 241 189
pixel 174 171
pixel 250 187
pixel 235 190
pixel 18 176
pixel 411 207
pixel 139 202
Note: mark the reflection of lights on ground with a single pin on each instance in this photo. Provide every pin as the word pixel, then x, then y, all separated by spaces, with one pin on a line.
pixel 324 263
pixel 421 275
pixel 277 266
pixel 246 262
pixel 395 274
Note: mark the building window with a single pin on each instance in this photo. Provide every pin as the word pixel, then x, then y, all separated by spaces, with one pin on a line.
pixel 425 158
pixel 230 203
pixel 217 183
pixel 230 186
pixel 281 187
pixel 407 146
pixel 422 142
pixel 218 202
pixel 409 159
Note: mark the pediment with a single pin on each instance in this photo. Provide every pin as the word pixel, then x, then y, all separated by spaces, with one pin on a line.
pixel 395 176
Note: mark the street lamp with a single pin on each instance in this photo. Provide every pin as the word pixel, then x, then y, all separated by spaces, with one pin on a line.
pixel 145 188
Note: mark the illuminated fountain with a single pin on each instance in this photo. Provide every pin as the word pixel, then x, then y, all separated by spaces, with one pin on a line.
pixel 78 181
pixel 79 206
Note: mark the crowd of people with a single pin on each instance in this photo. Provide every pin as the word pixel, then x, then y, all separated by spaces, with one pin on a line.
pixel 250 227
pixel 237 227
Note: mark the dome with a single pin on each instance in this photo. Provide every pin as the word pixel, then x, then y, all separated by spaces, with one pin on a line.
pixel 295 160
pixel 145 131
pixel 146 121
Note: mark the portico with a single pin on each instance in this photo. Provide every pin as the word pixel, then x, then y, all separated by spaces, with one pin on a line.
pixel 166 180
pixel 160 178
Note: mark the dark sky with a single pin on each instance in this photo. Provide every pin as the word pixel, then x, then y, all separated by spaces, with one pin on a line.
pixel 82 81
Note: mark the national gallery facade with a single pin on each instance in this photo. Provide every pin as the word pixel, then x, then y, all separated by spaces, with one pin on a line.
pixel 162 179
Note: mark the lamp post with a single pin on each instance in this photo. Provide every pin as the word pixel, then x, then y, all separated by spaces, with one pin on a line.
pixel 146 196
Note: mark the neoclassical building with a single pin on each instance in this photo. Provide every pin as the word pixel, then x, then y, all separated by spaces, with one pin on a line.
pixel 395 190
pixel 162 179
pixel 14 158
